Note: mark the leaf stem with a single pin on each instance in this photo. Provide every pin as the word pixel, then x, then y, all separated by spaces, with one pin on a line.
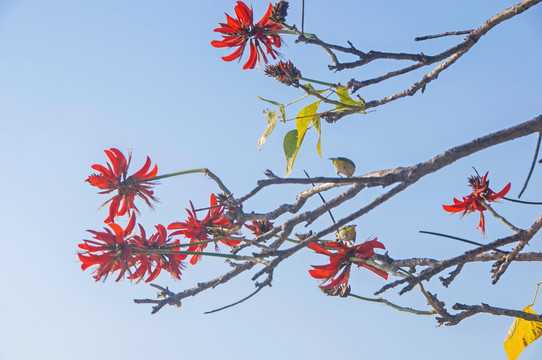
pixel 321 82
pixel 202 253
pixel 293 102
pixel 218 238
pixel 207 172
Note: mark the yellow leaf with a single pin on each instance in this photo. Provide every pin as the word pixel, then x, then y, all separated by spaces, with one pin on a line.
pixel 521 333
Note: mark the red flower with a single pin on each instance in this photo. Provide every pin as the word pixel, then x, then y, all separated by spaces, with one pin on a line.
pixel 121 250
pixel 111 251
pixel 237 32
pixel 473 202
pixel 340 263
pixel 196 230
pixel 260 227
pixel 114 178
pixel 171 263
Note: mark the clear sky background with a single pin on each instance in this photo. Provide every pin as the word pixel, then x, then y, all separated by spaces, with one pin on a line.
pixel 78 77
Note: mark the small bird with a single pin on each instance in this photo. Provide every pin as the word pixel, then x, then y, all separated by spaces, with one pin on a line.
pixel 344 166
pixel 347 234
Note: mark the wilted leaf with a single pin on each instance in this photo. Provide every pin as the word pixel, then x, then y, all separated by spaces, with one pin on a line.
pixel 521 333
pixel 344 98
pixel 290 150
pixel 280 106
pixel 272 118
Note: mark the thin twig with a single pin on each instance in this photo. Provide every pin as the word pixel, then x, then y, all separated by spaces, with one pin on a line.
pixel 324 200
pixel 302 16
pixel 523 202
pixel 235 303
pixel 176 298
pixel 448 33
pixel 459 239
pixel 396 307
pixel 532 165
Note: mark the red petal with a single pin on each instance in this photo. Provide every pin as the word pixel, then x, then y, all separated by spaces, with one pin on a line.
pixel 455 208
pixel 251 63
pixel 379 272
pixel 342 279
pixel 501 193
pixel 265 17
pixel 236 54
pixel 243 13
pixel 318 248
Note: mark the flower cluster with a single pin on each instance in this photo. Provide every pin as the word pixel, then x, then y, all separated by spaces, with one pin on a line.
pixel 238 32
pixel 114 178
pixel 198 231
pixel 337 272
pixel 476 201
pixel 136 255
pixel 118 249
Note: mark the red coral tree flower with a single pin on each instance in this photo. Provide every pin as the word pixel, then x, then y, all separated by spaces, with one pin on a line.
pixel 110 250
pixel 260 227
pixel 474 201
pixel 237 32
pixel 113 177
pixel 171 263
pixel 337 272
pixel 214 224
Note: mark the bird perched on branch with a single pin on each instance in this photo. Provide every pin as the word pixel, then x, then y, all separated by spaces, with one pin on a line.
pixel 347 234
pixel 344 166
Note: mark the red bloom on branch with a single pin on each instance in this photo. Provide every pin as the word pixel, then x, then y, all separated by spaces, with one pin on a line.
pixel 119 249
pixel 214 224
pixel 237 32
pixel 113 177
pixel 171 263
pixel 260 227
pixel 474 202
pixel 110 250
pixel 337 272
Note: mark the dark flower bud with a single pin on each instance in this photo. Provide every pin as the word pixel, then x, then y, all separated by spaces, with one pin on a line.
pixel 304 236
pixel 341 290
pixel 279 12
pixel 284 72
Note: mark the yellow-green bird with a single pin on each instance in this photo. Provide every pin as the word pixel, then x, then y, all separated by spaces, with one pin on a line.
pixel 347 234
pixel 344 166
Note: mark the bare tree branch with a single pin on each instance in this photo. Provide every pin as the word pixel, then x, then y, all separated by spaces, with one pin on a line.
pixel 449 56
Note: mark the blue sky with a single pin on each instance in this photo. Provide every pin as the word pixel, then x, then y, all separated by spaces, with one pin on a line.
pixel 80 77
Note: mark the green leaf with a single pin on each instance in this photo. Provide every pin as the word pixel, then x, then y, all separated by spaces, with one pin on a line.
pixel 280 106
pixel 308 85
pixel 269 101
pixel 317 126
pixel 272 118
pixel 344 98
pixel 304 118
pixel 290 150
